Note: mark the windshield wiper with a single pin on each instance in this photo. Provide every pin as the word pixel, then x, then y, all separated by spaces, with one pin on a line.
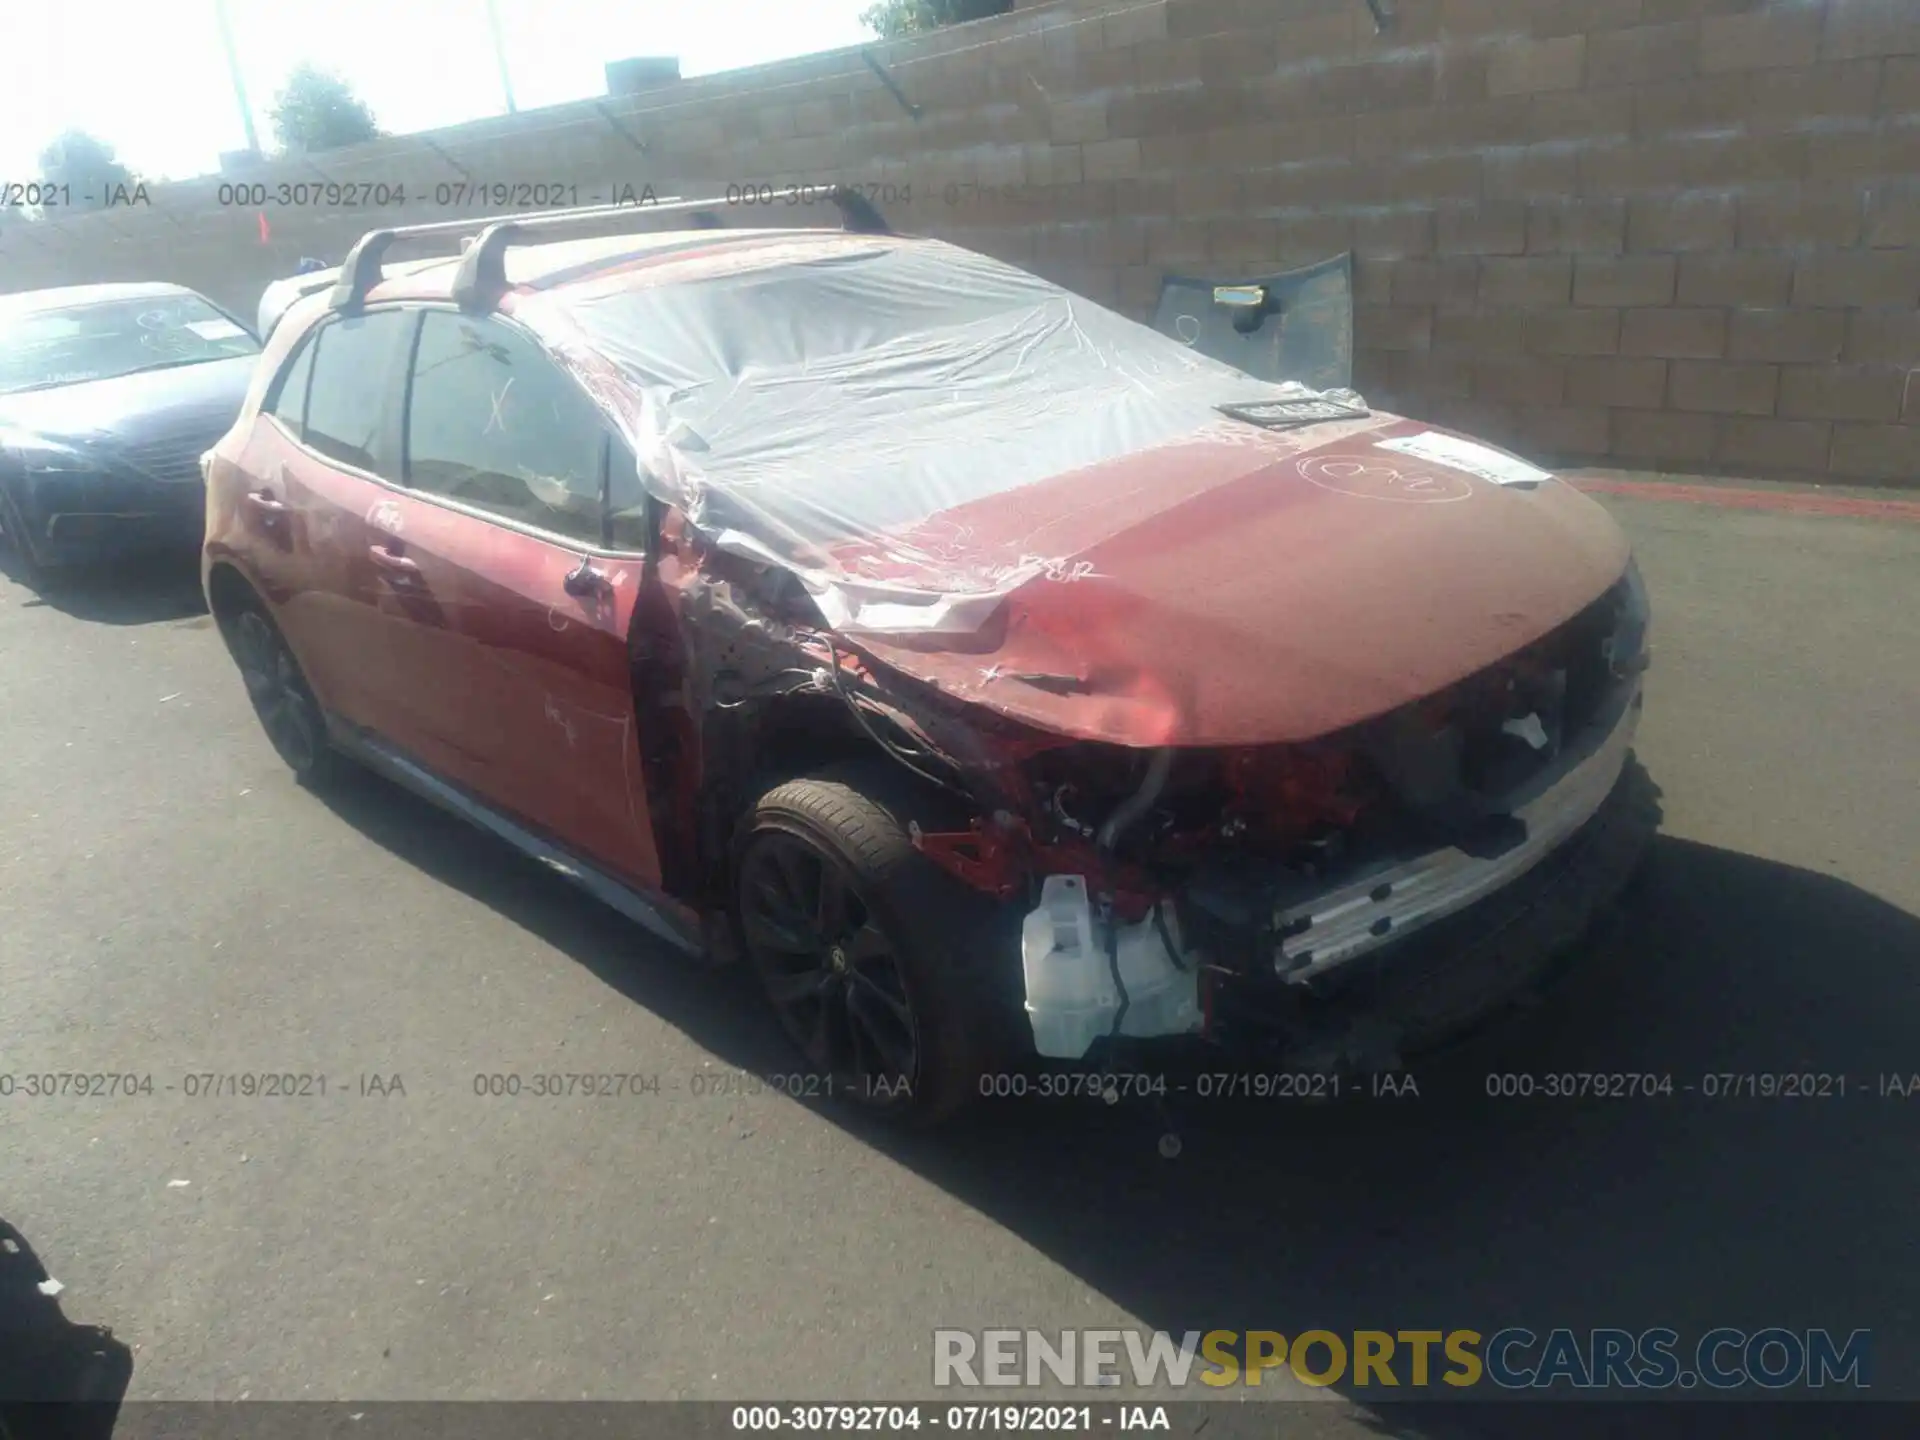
pixel 1296 411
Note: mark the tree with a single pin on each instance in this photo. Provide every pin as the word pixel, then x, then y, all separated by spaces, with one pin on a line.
pixel 891 19
pixel 317 111
pixel 86 166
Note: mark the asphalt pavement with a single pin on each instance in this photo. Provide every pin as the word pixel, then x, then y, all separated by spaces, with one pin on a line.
pixel 172 905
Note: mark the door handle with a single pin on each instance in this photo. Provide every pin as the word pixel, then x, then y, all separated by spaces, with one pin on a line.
pixel 388 559
pixel 263 501
pixel 585 580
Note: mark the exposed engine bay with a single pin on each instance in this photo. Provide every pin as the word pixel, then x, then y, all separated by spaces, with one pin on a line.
pixel 1153 881
pixel 1276 865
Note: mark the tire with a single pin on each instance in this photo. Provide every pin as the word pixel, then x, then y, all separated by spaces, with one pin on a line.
pixel 33 569
pixel 294 723
pixel 893 992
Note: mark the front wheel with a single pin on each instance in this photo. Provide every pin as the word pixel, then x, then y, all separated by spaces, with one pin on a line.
pixel 879 965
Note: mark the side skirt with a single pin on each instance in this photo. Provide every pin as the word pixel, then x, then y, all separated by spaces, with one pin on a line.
pixel 381 758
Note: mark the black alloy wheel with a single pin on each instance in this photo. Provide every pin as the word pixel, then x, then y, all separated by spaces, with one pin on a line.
pixel 287 709
pixel 829 967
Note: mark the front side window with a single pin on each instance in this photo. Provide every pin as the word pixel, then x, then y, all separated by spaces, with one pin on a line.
pixel 493 422
pixel 629 508
pixel 356 372
pixel 102 340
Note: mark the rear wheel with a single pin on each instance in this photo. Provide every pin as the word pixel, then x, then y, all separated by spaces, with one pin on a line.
pixel 878 964
pixel 281 698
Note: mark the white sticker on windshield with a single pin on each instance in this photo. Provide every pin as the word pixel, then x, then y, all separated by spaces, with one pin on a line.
pixel 1475 459
pixel 215 329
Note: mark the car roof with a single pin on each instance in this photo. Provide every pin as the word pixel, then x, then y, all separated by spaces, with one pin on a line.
pixel 65 297
pixel 558 264
pixel 308 281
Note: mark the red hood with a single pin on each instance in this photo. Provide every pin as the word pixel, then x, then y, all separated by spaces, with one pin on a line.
pixel 1257 586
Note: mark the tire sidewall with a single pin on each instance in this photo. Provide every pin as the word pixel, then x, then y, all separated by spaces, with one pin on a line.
pixel 954 1038
pixel 325 763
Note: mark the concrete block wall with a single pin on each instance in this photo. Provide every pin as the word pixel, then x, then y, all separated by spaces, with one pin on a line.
pixel 1682 234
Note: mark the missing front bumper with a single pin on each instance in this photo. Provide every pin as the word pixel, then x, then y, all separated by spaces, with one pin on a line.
pixel 1424 989
pixel 1390 901
pixel 1382 960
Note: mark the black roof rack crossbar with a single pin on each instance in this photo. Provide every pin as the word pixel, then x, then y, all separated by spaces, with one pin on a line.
pixel 482 272
pixel 482 275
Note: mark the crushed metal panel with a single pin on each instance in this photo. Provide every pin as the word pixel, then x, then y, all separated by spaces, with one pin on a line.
pixel 1259 586
pixel 1302 331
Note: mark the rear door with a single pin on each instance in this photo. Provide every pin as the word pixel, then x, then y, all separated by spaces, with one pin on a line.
pixel 507 465
pixel 319 466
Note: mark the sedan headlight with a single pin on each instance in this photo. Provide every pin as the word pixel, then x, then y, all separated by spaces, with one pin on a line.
pixel 61 465
pixel 1626 648
pixel 48 457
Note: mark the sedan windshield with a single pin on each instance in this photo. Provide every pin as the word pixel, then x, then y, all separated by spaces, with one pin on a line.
pixel 44 348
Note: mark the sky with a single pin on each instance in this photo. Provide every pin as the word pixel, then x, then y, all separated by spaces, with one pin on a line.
pixel 149 76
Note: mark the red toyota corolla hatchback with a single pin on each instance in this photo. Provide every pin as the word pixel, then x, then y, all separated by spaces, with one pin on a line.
pixel 994 674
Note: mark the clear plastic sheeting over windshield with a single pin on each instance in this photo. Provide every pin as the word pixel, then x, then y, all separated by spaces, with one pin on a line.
pixel 814 411
pixel 43 348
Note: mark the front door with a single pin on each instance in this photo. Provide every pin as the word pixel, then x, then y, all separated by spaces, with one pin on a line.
pixel 506 520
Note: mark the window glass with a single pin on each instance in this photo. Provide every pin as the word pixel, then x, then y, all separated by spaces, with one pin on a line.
pixel 629 511
pixel 353 384
pixel 41 348
pixel 287 400
pixel 494 422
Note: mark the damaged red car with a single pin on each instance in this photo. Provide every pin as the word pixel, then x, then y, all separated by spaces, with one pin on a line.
pixel 993 674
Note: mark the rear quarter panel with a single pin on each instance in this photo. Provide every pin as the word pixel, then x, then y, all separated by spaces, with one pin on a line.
pixel 279 566
pixel 227 476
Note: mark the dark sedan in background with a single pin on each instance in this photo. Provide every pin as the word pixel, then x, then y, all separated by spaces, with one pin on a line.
pixel 109 396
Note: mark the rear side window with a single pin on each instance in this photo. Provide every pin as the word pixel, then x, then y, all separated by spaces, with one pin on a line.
pixel 352 395
pixel 494 422
pixel 287 399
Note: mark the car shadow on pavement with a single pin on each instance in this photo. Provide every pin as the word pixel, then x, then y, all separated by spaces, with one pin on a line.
pixel 148 590
pixel 1464 1210
pixel 58 1380
pixel 718 1007
pixel 1453 1208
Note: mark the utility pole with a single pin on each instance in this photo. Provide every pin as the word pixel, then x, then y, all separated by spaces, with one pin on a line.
pixel 233 69
pixel 500 53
